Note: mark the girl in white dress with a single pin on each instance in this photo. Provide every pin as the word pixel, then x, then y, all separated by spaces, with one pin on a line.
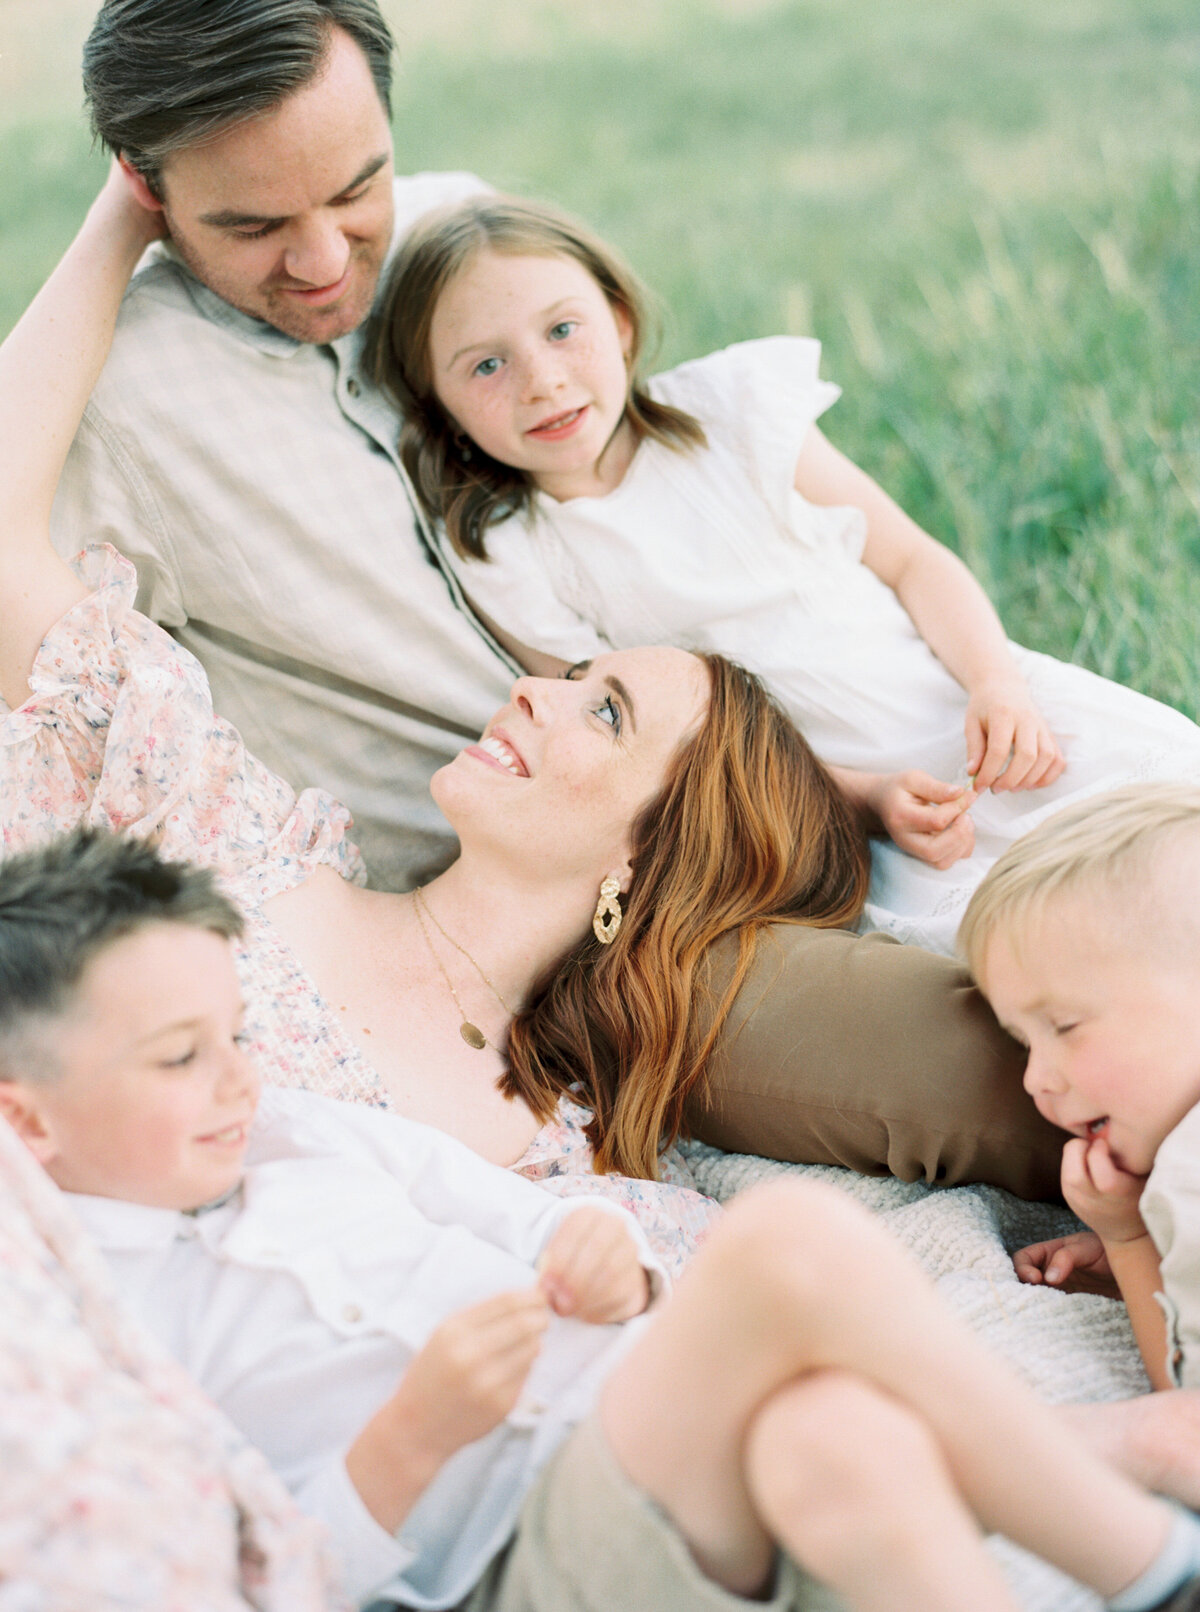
pixel 587 511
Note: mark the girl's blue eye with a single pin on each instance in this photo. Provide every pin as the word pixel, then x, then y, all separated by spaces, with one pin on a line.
pixel 562 330
pixel 487 366
pixel 610 712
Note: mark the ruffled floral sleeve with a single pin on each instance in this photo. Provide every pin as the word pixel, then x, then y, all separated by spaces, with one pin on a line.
pixel 119 732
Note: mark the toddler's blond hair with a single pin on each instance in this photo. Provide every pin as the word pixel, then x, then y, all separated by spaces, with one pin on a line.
pixel 1111 846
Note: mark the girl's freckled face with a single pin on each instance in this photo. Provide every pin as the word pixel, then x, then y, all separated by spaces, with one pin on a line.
pixel 529 360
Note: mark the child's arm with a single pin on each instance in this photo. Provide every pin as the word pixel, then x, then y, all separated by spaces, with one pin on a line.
pixel 48 366
pixel 1009 745
pixel 1105 1197
pixel 444 1180
pixel 461 1385
pixel 468 1377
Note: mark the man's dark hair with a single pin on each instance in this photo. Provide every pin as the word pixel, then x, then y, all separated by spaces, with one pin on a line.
pixel 159 75
pixel 62 905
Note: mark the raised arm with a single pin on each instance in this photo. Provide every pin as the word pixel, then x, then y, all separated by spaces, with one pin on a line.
pixel 48 366
pixel 953 615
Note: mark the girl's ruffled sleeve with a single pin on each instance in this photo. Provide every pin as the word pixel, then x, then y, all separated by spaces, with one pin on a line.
pixel 119 733
pixel 758 400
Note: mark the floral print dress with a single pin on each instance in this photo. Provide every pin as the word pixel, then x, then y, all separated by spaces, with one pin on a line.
pixel 119 732
pixel 120 1485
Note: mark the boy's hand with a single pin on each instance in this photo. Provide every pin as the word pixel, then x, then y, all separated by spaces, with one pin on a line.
pixel 460 1386
pixel 470 1373
pixel 925 817
pixel 1076 1263
pixel 1009 745
pixel 1102 1194
pixel 590 1269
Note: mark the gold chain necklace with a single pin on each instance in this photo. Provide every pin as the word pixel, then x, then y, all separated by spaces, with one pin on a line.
pixel 471 1033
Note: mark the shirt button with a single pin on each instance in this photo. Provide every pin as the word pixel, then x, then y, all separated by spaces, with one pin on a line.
pixel 353 387
pixel 352 1313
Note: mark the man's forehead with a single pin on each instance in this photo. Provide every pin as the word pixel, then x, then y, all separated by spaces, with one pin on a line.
pixel 303 152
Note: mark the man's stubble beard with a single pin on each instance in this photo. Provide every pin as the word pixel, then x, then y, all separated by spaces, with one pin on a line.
pixel 271 305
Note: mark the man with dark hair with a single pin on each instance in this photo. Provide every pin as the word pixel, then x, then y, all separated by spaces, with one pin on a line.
pixel 235 449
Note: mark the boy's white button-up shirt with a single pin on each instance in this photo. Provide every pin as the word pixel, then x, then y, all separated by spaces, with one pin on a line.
pixel 298 1304
pixel 254 482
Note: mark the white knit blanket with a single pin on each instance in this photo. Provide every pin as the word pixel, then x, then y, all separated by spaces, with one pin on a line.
pixel 1067 1347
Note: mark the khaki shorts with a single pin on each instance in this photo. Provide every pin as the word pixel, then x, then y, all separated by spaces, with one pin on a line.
pixel 589 1540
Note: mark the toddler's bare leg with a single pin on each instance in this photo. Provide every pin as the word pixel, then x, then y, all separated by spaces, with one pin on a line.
pixel 855 1487
pixel 798 1278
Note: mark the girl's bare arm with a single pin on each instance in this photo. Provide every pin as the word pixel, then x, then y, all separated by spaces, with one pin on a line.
pixel 954 616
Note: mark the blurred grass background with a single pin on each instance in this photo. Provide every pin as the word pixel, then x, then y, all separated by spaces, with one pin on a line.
pixel 988 211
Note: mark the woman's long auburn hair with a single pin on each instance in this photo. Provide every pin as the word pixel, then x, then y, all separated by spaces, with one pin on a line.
pixel 749 828
pixel 455 481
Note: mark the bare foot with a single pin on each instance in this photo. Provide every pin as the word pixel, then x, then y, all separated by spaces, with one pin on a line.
pixel 1155 1439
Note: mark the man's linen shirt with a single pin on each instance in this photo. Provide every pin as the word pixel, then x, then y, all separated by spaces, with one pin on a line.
pixel 254 483
pixel 299 1304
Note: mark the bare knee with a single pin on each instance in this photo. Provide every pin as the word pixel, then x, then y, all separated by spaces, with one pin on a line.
pixel 808 1238
pixel 839 1470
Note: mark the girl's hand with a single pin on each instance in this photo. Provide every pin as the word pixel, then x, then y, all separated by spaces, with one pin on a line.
pixel 1102 1194
pixel 590 1269
pixel 1009 745
pixel 470 1373
pixel 925 817
pixel 1080 1256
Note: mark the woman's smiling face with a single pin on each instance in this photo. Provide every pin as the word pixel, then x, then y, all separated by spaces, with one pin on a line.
pixel 562 771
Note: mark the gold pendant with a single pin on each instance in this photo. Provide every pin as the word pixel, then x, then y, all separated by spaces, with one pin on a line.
pixel 472 1035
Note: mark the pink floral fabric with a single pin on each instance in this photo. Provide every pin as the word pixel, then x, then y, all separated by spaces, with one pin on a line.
pixel 120 1486
pixel 119 731
pixel 122 1489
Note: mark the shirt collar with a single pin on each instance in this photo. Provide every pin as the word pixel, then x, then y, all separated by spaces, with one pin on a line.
pixel 255 332
pixel 138 1227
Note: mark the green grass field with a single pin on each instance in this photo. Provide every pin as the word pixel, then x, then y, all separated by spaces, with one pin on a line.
pixel 989 212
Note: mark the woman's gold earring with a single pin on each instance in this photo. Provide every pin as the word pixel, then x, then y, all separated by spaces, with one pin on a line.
pixel 606 919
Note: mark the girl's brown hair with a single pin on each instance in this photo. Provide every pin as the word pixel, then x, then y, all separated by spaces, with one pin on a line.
pixel 749 828
pixel 462 486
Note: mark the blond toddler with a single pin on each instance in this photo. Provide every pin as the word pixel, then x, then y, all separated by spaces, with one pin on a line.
pixel 1086 939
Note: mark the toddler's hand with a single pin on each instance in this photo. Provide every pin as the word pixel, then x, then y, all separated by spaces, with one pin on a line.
pixel 925 817
pixel 1073 1262
pixel 1102 1194
pixel 470 1373
pixel 590 1269
pixel 1009 745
